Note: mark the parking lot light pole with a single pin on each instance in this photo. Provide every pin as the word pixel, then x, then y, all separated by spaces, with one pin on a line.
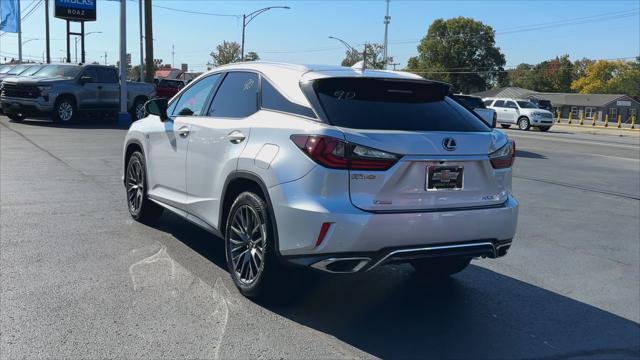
pixel 246 19
pixel 124 120
pixel 76 45
pixel 349 47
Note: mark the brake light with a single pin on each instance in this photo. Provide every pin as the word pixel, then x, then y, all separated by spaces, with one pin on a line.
pixel 504 157
pixel 338 154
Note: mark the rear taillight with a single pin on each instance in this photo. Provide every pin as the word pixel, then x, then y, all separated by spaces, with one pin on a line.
pixel 504 157
pixel 339 154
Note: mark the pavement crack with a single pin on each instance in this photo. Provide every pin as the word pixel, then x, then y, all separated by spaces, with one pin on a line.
pixel 578 187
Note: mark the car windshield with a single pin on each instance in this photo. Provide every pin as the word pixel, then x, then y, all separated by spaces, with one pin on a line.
pixel 4 69
pixel 527 105
pixel 32 70
pixel 17 69
pixel 384 104
pixel 470 102
pixel 171 84
pixel 62 71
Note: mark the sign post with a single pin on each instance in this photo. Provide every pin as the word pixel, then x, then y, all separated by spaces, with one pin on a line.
pixel 124 120
pixel 78 11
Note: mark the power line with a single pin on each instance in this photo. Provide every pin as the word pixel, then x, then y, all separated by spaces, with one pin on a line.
pixel 196 12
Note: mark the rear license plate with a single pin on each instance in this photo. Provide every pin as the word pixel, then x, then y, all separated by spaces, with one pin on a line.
pixel 444 177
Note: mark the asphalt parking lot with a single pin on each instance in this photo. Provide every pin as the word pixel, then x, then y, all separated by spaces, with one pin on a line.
pixel 80 279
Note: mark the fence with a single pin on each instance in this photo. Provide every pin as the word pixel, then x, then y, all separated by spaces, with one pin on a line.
pixel 616 123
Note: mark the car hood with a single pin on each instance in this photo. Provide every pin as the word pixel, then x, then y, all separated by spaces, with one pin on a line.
pixel 35 81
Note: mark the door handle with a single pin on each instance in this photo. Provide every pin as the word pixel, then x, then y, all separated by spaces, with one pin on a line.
pixel 236 137
pixel 183 131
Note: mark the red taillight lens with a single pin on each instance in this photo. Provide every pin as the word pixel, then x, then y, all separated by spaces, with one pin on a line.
pixel 339 154
pixel 504 157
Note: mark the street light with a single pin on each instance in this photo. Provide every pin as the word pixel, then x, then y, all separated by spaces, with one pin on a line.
pixel 26 41
pixel 246 19
pixel 76 43
pixel 349 47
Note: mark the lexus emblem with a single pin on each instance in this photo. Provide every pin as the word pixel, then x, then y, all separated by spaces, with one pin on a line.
pixel 449 144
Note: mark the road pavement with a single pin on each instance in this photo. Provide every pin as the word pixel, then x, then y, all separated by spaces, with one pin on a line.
pixel 80 279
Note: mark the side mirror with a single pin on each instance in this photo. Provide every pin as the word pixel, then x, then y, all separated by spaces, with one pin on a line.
pixel 157 107
pixel 85 79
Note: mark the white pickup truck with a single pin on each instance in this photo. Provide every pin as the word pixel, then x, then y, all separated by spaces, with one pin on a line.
pixel 476 105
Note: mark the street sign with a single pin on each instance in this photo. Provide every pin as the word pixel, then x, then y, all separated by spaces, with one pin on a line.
pixel 76 10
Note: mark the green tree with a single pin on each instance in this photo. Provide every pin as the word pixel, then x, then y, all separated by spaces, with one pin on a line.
pixel 553 75
pixel 225 53
pixel 251 56
pixel 610 77
pixel 375 59
pixel 460 51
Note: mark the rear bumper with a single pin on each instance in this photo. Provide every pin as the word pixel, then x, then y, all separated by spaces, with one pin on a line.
pixel 300 216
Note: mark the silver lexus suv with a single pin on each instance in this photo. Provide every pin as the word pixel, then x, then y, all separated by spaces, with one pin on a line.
pixel 332 168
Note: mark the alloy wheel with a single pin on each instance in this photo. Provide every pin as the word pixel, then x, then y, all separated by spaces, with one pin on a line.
pixel 65 111
pixel 135 185
pixel 247 241
pixel 140 113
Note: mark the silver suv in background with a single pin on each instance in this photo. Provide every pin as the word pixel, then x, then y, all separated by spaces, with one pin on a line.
pixel 63 91
pixel 520 112
pixel 330 168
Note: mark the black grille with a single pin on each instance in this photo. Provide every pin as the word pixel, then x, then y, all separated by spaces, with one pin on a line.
pixel 20 91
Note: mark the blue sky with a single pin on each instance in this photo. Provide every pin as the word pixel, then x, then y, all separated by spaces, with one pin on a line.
pixel 593 29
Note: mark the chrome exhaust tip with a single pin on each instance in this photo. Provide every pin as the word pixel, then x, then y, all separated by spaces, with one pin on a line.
pixel 342 265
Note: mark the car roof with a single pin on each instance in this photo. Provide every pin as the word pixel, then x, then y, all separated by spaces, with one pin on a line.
pixel 286 77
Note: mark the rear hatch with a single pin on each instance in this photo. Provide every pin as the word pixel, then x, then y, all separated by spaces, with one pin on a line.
pixel 444 148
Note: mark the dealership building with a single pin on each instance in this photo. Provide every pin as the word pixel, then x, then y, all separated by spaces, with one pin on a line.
pixel 587 105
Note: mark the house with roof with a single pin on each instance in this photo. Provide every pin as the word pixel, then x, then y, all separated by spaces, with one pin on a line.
pixel 587 105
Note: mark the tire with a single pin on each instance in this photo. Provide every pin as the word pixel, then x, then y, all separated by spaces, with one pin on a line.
pixel 524 123
pixel 140 207
pixel 65 110
pixel 435 268
pixel 250 248
pixel 16 117
pixel 544 128
pixel 137 110
pixel 505 126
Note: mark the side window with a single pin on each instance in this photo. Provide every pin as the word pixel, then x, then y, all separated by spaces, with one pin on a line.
pixel 237 96
pixel 106 75
pixel 272 99
pixel 499 103
pixel 488 102
pixel 193 100
pixel 511 105
pixel 91 72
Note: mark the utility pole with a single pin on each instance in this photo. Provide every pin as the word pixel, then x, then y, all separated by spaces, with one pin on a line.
pixel 394 65
pixel 141 41
pixel 46 26
pixel 105 58
pixel 123 117
pixel 173 55
pixel 148 40
pixel 19 35
pixel 387 20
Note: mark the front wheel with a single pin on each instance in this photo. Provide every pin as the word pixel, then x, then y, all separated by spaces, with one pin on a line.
pixel 250 248
pixel 505 126
pixel 65 110
pixel 440 267
pixel 524 124
pixel 140 207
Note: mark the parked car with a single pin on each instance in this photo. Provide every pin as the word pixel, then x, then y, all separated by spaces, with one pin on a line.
pixel 541 103
pixel 520 112
pixel 476 105
pixel 63 91
pixel 14 70
pixel 331 169
pixel 167 88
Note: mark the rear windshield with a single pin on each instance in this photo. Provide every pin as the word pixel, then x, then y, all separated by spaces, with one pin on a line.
pixel 384 104
pixel 62 71
pixel 170 84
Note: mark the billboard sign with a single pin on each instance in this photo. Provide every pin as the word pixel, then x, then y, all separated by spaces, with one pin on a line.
pixel 76 10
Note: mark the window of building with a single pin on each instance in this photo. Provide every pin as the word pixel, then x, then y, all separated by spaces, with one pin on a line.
pixel 575 112
pixel 613 113
pixel 633 112
pixel 237 96
pixel 589 112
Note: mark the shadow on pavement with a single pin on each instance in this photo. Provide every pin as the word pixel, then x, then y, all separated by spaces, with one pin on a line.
pixel 390 313
pixel 529 155
pixel 85 123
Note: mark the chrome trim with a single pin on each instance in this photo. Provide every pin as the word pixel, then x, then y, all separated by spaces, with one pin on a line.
pixel 432 248
pixel 322 264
